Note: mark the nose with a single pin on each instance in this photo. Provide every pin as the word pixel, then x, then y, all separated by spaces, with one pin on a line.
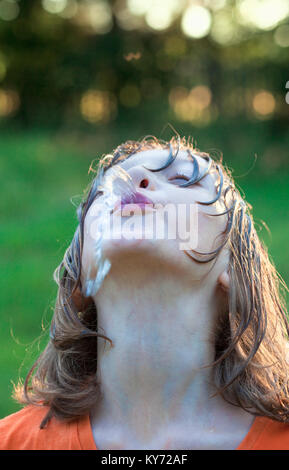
pixel 143 178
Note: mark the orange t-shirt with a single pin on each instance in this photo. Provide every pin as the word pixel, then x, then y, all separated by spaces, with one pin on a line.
pixel 20 431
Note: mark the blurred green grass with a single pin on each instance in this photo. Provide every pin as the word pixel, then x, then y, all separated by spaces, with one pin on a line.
pixel 41 171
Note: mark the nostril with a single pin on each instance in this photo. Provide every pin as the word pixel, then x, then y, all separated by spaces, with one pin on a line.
pixel 144 183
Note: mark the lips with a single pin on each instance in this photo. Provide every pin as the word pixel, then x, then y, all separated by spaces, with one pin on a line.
pixel 136 198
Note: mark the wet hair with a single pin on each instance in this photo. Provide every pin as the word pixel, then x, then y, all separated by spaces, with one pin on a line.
pixel 251 338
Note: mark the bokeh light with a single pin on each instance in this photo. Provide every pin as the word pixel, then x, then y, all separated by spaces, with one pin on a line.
pixel 125 18
pixel 263 103
pixel 9 102
pixel 95 16
pixel 263 14
pixel 139 7
pixel 158 14
pixel 281 36
pixel 191 105
pixel 54 6
pixel 9 10
pixel 196 21
pixel 215 4
pixel 159 17
pixel 223 30
pixel 98 106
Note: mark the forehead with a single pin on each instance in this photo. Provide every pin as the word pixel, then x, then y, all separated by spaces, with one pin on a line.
pixel 157 157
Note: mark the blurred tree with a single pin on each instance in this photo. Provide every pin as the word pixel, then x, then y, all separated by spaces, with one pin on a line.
pixel 53 52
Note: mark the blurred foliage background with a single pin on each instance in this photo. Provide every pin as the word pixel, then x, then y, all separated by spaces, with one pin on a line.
pixel 78 77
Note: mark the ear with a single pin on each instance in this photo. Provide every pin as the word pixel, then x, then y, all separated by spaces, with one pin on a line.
pixel 224 281
pixel 80 301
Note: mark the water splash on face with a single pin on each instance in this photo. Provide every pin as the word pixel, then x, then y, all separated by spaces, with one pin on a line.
pixel 115 185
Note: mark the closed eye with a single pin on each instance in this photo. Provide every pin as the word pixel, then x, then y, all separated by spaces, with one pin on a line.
pixel 179 177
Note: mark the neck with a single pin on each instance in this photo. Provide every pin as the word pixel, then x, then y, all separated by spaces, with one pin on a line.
pixel 161 326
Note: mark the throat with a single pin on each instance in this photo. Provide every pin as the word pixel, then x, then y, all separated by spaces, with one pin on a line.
pixel 153 379
pixel 149 384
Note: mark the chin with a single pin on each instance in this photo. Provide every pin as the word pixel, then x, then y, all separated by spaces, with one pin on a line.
pixel 151 252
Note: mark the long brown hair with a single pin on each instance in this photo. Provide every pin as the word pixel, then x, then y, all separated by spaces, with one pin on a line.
pixel 251 339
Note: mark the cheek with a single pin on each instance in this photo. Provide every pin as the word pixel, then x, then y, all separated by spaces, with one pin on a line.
pixel 210 230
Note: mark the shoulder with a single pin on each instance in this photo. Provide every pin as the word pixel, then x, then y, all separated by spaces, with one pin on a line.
pixel 267 434
pixel 21 431
pixel 275 435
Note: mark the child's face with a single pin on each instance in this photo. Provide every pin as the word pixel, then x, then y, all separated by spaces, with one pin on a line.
pixel 163 188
